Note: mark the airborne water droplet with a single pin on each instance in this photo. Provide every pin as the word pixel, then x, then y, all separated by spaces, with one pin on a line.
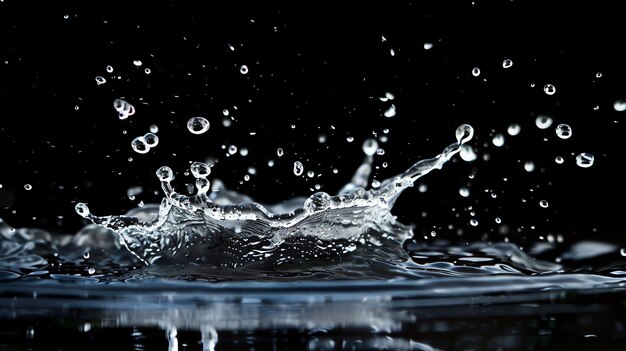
pixel 198 125
pixel 86 255
pixel 232 149
pixel 543 203
pixel 464 192
pixel 390 112
pixel 475 71
pixel 137 63
pixel 549 89
pixel 154 128
pixel 200 170
pixel 165 174
pixel 82 209
pixel 467 153
pixel 543 122
pixel 514 129
pixel 507 63
pixel 279 152
pixel 151 139
pixel 298 168
pixel 529 166
pixel 563 131
pixel 498 140
pixel 464 133
pixel 100 80
pixel 558 160
pixel 28 186
pixel 474 222
pixel 619 105
pixel 110 69
pixel 584 160
pixel 428 46
pixel 140 146
pixel 369 147
pixel 243 69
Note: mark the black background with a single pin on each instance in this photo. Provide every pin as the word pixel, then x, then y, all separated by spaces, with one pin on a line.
pixel 322 67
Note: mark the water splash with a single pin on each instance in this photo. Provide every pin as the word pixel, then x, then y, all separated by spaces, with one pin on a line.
pixel 189 227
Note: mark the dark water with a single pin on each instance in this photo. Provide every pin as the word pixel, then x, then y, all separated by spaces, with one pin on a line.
pixel 514 244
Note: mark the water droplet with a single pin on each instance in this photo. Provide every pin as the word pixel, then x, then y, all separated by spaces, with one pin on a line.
pixel 298 168
pixel 91 270
pixel 86 255
pixel 474 222
pixel 350 139
pixel 227 122
pixel 310 174
pixel 549 89
pixel 475 71
pixel 559 160
pixel 507 63
pixel 390 112
pixel 243 151
pixel 464 192
pixel 82 209
pixel 543 122
pixel 380 151
pixel 140 146
pixel 321 138
pixel 619 105
pixel 280 152
pixel 198 125
pixel 28 186
pixel 514 129
pixel 30 332
pixel 232 149
pixel 154 128
pixel 543 203
pixel 165 174
pixel 428 46
pixel 147 71
pixel 369 147
pixel 225 112
pixel 137 63
pixel 622 252
pixel 498 220
pixel 467 153
pixel 422 188
pixel 375 183
pixel 335 171
pixel 200 169
pixel 498 140
pixel 110 69
pixel 124 108
pixel 584 160
pixel 563 131
pixel 246 177
pixel 317 202
pixel 100 80
pixel 529 166
pixel 243 69
pixel 151 139
pixel 464 133
pixel 599 75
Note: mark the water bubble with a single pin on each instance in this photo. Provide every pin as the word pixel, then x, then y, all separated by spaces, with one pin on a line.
pixel 549 89
pixel 529 166
pixel 369 147
pixel 82 209
pixel 428 46
pixel 514 129
pixel 475 71
pixel 563 131
pixel 390 112
pixel 165 174
pixel 298 168
pixel 543 122
pixel 232 149
pixel 467 153
pixel 100 80
pixel 243 69
pixel 464 133
pixel 139 145
pixel 154 128
pixel 559 160
pixel 619 105
pixel 498 140
pixel 137 63
pixel 200 169
pixel 28 186
pixel 124 108
pixel 507 63
pixel 474 222
pixel 464 192
pixel 110 69
pixel 543 203
pixel 280 152
pixel 198 125
pixel 584 160
pixel 151 139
